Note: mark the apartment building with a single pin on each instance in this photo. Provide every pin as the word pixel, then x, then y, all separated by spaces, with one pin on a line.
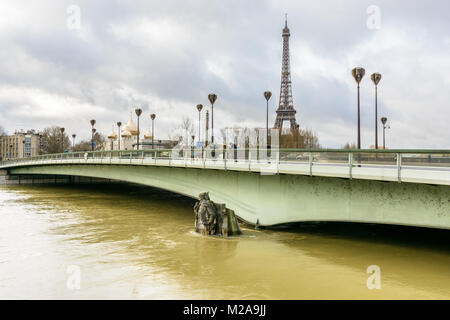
pixel 20 144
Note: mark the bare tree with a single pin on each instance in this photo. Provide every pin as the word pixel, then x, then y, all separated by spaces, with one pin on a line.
pixel 184 130
pixel 54 141
pixel 85 145
pixel 349 145
pixel 299 138
pixel 310 139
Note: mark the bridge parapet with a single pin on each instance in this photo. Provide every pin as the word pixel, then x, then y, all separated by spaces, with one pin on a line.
pixel 413 166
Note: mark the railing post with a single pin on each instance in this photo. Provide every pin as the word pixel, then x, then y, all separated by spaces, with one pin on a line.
pixel 310 163
pixel 399 167
pixel 225 159
pixel 278 160
pixel 249 160
pixel 204 160
pixel 350 165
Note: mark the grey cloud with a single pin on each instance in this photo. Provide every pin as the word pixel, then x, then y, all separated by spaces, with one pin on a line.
pixel 242 39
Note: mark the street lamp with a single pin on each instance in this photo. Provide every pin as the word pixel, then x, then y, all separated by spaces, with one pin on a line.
pixel 358 74
pixel 138 113
pixel 93 134
pixel 119 124
pixel 267 95
pixel 62 139
pixel 199 108
pixel 73 141
pixel 153 116
pixel 384 121
pixel 376 77
pixel 92 139
pixel 212 98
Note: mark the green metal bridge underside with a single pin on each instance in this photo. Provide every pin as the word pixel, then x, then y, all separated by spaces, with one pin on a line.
pixel 283 198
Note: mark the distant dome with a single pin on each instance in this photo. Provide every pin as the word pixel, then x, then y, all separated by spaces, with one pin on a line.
pixel 112 135
pixel 131 127
pixel 126 133
pixel 148 135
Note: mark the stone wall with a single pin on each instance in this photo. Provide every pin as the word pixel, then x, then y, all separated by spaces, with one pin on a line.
pixel 32 179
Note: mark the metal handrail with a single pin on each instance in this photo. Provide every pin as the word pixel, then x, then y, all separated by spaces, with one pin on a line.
pixel 350 159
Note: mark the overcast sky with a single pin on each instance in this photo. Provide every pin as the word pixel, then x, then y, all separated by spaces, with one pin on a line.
pixel 166 56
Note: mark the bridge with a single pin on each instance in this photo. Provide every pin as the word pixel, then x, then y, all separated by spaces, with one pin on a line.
pixel 399 187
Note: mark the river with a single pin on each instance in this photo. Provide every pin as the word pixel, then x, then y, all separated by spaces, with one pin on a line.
pixel 132 242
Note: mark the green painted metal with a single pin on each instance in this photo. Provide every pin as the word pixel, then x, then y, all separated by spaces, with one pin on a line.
pixel 283 198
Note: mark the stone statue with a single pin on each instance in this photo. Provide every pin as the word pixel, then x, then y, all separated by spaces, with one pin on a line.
pixel 214 219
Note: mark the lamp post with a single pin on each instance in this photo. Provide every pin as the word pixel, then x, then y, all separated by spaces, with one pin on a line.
pixel 376 77
pixel 207 128
pixel 267 95
pixel 199 108
pixel 358 74
pixel 112 136
pixel 73 141
pixel 384 121
pixel 93 134
pixel 153 116
pixel 40 144
pixel 92 138
pixel 119 124
pixel 212 98
pixel 138 113
pixel 192 147
pixel 62 140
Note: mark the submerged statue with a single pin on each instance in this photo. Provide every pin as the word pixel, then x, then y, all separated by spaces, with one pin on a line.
pixel 213 218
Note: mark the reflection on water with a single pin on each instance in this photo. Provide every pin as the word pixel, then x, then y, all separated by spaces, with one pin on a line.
pixel 135 242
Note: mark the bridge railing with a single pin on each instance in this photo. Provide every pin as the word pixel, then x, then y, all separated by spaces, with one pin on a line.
pixel 427 158
pixel 398 165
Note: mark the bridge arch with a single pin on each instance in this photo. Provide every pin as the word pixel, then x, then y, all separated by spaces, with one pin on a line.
pixel 282 198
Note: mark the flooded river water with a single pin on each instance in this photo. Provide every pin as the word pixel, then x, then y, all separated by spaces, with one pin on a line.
pixel 131 242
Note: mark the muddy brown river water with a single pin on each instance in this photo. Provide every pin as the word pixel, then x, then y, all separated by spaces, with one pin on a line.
pixel 132 242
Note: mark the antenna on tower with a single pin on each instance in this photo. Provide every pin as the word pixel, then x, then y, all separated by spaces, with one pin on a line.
pixel 285 20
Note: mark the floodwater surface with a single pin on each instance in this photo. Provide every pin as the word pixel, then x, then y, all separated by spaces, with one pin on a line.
pixel 132 242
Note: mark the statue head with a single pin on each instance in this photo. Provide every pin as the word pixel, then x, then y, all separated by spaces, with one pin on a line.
pixel 203 196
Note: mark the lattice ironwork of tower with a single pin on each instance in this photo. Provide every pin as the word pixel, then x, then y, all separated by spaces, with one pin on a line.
pixel 286 111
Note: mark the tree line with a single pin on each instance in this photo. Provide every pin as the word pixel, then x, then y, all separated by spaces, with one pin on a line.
pixel 55 141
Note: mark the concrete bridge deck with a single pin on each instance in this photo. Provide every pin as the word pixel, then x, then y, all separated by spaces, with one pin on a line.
pixel 393 187
pixel 431 167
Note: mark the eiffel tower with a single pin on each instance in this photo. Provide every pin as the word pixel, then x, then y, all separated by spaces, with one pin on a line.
pixel 286 111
